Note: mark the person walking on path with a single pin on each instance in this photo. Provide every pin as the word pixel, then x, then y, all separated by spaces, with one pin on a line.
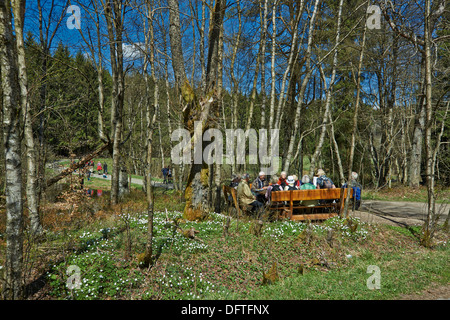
pixel 169 174
pixel 165 172
pixel 99 167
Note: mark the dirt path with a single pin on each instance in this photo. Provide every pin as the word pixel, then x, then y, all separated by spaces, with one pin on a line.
pixel 405 214
pixel 434 292
pixel 397 213
pixel 138 181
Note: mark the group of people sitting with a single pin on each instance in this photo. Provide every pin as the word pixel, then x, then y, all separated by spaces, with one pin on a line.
pixel 260 191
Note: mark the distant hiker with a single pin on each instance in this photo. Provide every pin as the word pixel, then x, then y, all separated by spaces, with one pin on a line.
pixel 165 172
pixel 105 168
pixel 169 174
pixel 99 167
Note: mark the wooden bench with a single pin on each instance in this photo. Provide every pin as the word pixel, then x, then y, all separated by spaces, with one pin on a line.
pixel 230 191
pixel 286 202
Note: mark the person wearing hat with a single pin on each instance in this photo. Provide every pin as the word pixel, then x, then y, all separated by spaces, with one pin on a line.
pixel 290 184
pixel 246 197
pixel 259 186
pixel 235 179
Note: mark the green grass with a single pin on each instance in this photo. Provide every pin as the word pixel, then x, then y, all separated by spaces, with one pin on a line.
pixel 218 267
pixel 403 193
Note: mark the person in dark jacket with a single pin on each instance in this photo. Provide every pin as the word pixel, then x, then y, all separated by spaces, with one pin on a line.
pixel 165 172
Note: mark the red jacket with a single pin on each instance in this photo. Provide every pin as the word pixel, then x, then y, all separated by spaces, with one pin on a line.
pixel 282 182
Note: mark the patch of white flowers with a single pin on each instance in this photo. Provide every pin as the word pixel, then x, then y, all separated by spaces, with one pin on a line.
pixel 186 284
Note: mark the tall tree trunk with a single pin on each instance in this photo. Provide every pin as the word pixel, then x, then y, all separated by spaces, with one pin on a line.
pixel 175 43
pixel 13 276
pixel 430 160
pixel 414 176
pixel 203 112
pixel 202 45
pixel 262 61
pixel 303 86
pixel 329 90
pixel 355 121
pixel 234 81
pixel 290 65
pixel 114 11
pixel 272 66
pixel 151 119
pixel 218 166
pixel 31 188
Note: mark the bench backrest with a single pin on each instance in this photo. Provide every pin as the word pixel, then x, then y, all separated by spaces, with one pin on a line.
pixel 315 194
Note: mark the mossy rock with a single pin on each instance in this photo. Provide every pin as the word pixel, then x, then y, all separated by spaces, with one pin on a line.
pixel 144 260
pixel 256 228
pixel 271 276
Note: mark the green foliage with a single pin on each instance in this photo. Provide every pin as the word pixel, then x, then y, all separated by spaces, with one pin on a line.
pixel 217 267
pixel 103 274
pixel 66 97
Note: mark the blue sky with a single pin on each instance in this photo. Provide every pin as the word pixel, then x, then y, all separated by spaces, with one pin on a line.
pixel 54 12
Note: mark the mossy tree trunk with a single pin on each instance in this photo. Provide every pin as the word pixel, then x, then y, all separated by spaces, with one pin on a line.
pixel 205 112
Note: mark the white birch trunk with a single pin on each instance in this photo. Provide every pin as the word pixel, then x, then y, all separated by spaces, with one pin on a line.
pixel 31 187
pixel 355 121
pixel 272 66
pixel 291 60
pixel 13 276
pixel 329 90
pixel 302 88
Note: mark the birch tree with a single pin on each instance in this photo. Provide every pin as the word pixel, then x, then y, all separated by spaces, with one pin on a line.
pixel 304 83
pixel 151 120
pixel 355 120
pixel 328 96
pixel 32 203
pixel 424 43
pixel 114 12
pixel 13 281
